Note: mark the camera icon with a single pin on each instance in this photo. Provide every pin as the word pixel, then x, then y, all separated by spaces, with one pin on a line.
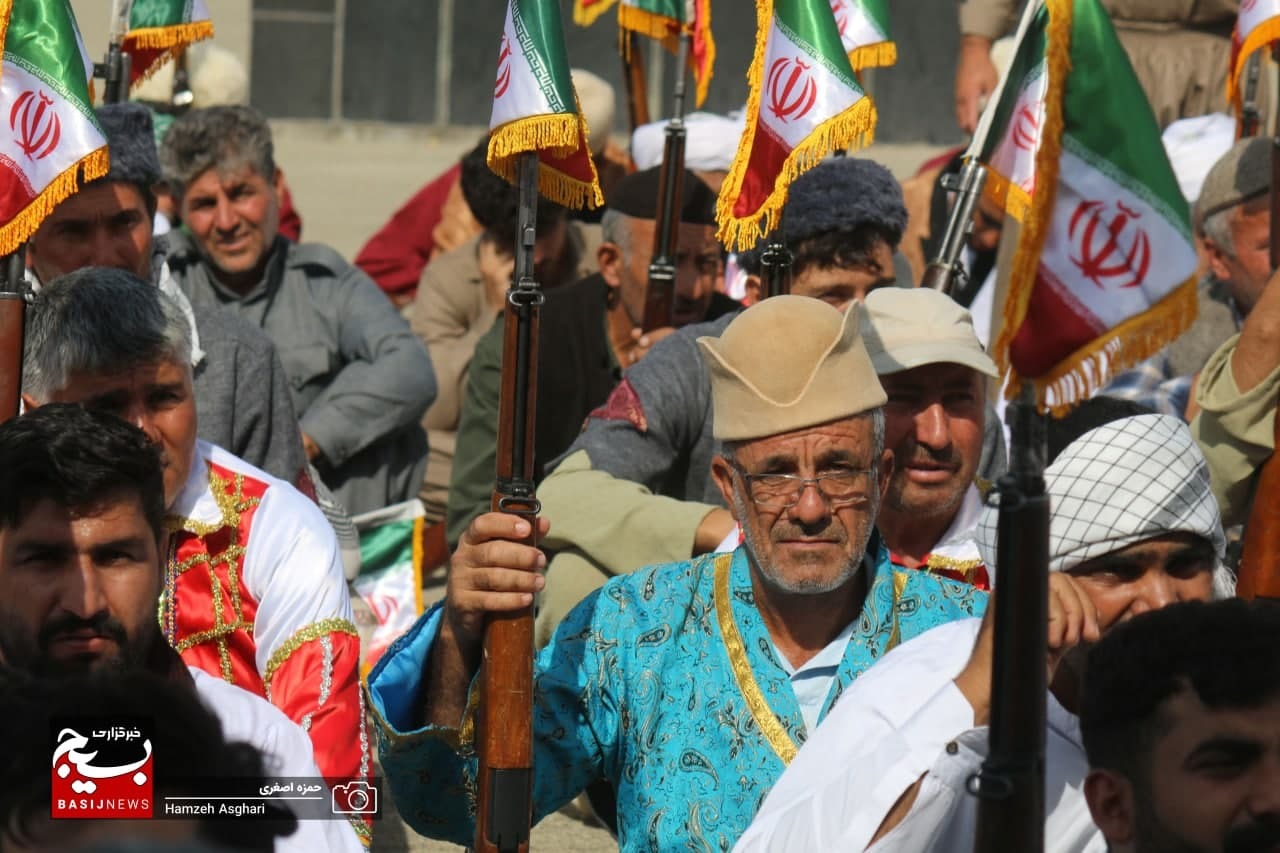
pixel 355 798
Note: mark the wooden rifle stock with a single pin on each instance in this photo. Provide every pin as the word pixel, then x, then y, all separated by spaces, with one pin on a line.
pixel 1010 786
pixel 505 726
pixel 660 295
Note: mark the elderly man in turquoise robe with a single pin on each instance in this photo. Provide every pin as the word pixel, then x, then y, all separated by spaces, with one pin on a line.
pixel 688 686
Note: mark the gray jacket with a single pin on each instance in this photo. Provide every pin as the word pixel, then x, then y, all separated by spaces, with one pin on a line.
pixel 359 377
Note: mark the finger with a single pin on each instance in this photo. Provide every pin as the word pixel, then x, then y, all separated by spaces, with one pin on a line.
pixel 501 554
pixel 1057 621
pixel 495 525
pixel 544 527
pixel 500 579
pixel 501 602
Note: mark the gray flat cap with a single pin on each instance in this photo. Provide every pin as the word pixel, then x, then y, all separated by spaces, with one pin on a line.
pixel 1241 175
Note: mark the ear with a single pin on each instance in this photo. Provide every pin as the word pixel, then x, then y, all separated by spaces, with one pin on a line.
pixel 1111 803
pixel 1217 260
pixel 609 255
pixel 29 403
pixel 722 472
pixel 886 472
pixel 752 288
pixel 277 183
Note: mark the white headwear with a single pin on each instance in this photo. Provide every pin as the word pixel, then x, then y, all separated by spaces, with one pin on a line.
pixel 1194 145
pixel 710 142
pixel 1122 483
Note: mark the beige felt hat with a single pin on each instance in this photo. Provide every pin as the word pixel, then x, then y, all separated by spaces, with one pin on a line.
pixel 906 328
pixel 788 363
pixel 598 102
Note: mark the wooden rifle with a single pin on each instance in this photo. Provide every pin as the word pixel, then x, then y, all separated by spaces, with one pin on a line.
pixel 633 74
pixel 1010 785
pixel 13 314
pixel 1259 574
pixel 661 293
pixel 945 270
pixel 505 729
pixel 114 69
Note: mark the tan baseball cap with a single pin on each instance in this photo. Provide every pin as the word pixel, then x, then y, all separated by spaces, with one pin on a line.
pixel 906 328
pixel 788 363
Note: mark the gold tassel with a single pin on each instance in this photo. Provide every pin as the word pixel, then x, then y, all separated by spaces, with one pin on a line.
pixel 646 23
pixel 160 38
pixel 1006 195
pixel 879 55
pixel 1026 259
pixel 585 16
pixel 1263 34
pixel 19 229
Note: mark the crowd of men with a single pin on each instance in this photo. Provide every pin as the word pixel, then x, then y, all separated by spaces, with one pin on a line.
pixel 766 556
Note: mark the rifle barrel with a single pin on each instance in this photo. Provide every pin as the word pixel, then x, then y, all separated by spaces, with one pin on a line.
pixel 505 730
pixel 13 310
pixel 944 269
pixel 660 294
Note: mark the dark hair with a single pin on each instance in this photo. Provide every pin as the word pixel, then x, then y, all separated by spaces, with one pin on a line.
pixel 1089 415
pixel 187 740
pixel 843 248
pixel 495 203
pixel 1226 652
pixel 77 459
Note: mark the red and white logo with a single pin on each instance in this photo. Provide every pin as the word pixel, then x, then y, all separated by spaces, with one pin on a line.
pixel 841 12
pixel 1111 249
pixel 1026 128
pixel 88 784
pixel 1246 6
pixel 35 124
pixel 503 82
pixel 792 89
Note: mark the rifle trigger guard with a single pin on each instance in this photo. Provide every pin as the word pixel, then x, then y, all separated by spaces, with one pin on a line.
pixel 519 506
pixel 523 296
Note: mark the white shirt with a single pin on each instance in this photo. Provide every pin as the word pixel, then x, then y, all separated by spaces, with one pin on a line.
pixel 903 719
pixel 286 751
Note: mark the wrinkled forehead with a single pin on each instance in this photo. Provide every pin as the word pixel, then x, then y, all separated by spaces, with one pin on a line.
pixel 848 439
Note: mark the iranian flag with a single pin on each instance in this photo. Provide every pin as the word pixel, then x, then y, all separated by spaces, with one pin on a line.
pixel 664 20
pixel 162 29
pixel 52 139
pixel 804 103
pixel 1257 26
pixel 864 31
pixel 535 107
pixel 1103 275
pixel 1013 135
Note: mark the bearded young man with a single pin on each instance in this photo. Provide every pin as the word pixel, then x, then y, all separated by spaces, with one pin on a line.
pixel 1133 528
pixel 687 686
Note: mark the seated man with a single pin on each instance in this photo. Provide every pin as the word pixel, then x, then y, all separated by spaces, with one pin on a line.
pixel 242 395
pixel 688 686
pixel 254 590
pixel 633 489
pixel 1180 720
pixel 891 765
pixel 81 571
pixel 590 331
pixel 360 380
pixel 462 292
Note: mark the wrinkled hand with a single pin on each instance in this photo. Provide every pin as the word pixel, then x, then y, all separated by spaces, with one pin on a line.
pixel 641 343
pixel 493 570
pixel 1073 619
pixel 976 79
pixel 496 269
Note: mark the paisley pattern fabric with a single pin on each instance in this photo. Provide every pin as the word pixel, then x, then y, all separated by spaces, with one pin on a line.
pixel 639 687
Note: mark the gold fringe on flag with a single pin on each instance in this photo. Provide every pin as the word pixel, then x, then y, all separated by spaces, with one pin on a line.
pixel 6 9
pixel 18 230
pixel 559 134
pixel 879 55
pixel 159 38
pixel 854 127
pixel 1006 195
pixel 587 12
pixel 1035 227
pixel 646 23
pixel 1263 34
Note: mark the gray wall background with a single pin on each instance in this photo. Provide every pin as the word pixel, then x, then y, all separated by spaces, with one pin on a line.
pixel 433 62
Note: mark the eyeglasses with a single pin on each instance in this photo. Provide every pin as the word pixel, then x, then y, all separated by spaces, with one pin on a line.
pixel 783 491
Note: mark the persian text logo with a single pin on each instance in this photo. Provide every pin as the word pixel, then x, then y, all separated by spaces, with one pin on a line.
pixel 101 768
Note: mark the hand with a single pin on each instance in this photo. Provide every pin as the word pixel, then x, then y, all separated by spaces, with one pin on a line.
pixel 493 570
pixel 1073 619
pixel 715 526
pixel 312 449
pixel 641 343
pixel 496 269
pixel 976 78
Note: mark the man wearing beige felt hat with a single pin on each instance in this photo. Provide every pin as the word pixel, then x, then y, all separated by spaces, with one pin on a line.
pixel 697 680
pixel 934 371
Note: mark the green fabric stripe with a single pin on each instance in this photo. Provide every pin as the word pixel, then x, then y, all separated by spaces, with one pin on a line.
pixel 1106 112
pixel 877 11
pixel 145 14
pixel 42 41
pixel 1027 65
pixel 541 37
pixel 810 25
pixel 386 546
pixel 673 9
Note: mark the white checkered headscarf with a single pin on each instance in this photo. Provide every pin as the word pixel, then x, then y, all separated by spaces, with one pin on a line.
pixel 1122 483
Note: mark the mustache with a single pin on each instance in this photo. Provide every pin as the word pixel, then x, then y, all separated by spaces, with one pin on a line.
pixel 1262 834
pixel 101 623
pixel 918 453
pixel 829 528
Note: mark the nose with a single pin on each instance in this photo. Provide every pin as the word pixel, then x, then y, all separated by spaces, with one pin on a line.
pixel 933 427
pixel 812 508
pixel 224 218
pixel 104 251
pixel 1264 797
pixel 1155 590
pixel 141 417
pixel 83 595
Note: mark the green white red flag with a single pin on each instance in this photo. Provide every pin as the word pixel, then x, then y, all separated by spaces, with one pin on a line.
pixel 1104 273
pixel 864 31
pixel 804 103
pixel 162 29
pixel 535 107
pixel 1258 25
pixel 663 20
pixel 51 139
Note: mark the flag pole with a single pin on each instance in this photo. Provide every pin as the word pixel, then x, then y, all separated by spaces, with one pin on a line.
pixel 13 311
pixel 633 73
pixel 505 776
pixel 661 291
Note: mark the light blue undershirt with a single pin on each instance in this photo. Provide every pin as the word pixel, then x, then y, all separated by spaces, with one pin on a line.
pixel 812 681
